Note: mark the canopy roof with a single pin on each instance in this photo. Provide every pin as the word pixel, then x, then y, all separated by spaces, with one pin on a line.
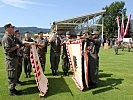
pixel 71 23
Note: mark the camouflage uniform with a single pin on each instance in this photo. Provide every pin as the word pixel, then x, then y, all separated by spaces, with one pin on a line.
pixel 20 59
pixel 42 51
pixel 116 45
pixel 94 48
pixel 55 51
pixel 65 60
pixel 27 62
pixel 11 61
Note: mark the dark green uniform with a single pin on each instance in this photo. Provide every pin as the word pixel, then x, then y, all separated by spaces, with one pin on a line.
pixel 65 60
pixel 20 59
pixel 94 61
pixel 27 63
pixel 11 60
pixel 129 45
pixel 55 51
pixel 42 51
pixel 116 45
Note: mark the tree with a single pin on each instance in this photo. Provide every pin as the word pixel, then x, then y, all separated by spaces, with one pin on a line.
pixel 112 11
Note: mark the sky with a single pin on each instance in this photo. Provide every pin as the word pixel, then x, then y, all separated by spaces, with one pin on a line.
pixel 41 13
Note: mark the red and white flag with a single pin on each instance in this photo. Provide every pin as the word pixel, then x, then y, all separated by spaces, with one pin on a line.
pixel 119 32
pixel 40 78
pixel 122 26
pixel 127 26
pixel 74 51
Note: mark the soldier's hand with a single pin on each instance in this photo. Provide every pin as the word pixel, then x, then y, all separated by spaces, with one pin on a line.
pixel 17 45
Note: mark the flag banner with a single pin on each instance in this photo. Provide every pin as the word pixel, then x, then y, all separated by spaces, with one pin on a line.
pixel 127 26
pixel 74 51
pixel 86 64
pixel 122 27
pixel 41 80
pixel 119 30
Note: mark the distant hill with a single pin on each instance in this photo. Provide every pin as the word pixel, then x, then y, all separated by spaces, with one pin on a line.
pixel 32 30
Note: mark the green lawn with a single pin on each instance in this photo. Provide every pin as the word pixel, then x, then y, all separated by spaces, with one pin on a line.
pixel 115 81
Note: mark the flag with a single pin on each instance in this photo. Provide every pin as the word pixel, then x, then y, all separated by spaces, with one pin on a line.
pixel 74 51
pixel 122 27
pixel 40 78
pixel 119 32
pixel 127 26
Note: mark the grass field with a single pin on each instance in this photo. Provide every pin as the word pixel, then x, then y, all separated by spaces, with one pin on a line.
pixel 115 81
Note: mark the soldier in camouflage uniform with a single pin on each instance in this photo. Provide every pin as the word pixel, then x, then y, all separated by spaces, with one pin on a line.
pixel 129 45
pixel 20 56
pixel 95 43
pixel 42 49
pixel 11 58
pixel 116 45
pixel 65 60
pixel 55 51
pixel 27 62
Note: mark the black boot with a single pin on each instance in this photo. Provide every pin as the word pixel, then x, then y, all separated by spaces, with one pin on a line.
pixel 64 74
pixel 56 73
pixel 53 72
pixel 12 92
pixel 67 73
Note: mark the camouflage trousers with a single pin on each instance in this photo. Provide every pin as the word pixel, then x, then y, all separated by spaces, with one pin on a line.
pixel 65 63
pixel 19 67
pixel 11 67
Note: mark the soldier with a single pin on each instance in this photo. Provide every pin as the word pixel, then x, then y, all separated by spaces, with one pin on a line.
pixel 129 45
pixel 11 59
pixel 20 56
pixel 95 43
pixel 55 51
pixel 27 63
pixel 79 35
pixel 65 60
pixel 42 49
pixel 116 45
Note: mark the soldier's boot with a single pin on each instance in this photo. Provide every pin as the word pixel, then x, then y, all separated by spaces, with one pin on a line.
pixel 53 72
pixel 64 74
pixel 13 92
pixel 67 74
pixel 26 76
pixel 56 73
pixel 29 75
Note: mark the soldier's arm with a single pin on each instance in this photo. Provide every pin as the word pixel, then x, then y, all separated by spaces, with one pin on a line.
pixel 14 48
pixel 52 38
pixel 28 43
pixel 8 45
pixel 40 45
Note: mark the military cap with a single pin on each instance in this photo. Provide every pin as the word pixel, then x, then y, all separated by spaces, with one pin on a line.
pixel 40 32
pixel 85 31
pixel 94 33
pixel 17 32
pixel 68 33
pixel 79 33
pixel 8 26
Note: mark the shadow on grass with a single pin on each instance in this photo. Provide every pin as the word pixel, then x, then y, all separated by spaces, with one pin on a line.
pixel 29 82
pixel 57 86
pixel 108 84
pixel 30 90
pixel 101 75
pixel 59 73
